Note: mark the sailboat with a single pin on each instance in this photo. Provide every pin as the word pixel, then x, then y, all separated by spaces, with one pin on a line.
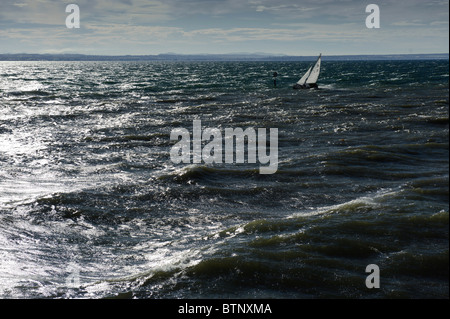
pixel 309 79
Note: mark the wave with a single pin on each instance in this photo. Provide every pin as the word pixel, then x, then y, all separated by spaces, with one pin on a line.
pixel 356 158
pixel 300 248
pixel 195 172
pixel 86 179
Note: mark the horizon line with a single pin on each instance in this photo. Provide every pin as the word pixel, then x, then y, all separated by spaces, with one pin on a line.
pixel 229 53
pixel 239 56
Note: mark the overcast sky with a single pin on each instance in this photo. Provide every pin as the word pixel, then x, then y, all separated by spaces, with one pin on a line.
pixel 294 27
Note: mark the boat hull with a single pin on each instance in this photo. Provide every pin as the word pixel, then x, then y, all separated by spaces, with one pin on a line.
pixel 305 87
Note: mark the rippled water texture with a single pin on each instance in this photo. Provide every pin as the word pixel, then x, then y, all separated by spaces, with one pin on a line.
pixel 91 205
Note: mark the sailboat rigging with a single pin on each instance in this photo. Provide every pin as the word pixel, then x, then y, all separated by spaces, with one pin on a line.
pixel 309 79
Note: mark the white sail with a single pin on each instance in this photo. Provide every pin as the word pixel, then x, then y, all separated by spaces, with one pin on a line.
pixel 302 81
pixel 314 75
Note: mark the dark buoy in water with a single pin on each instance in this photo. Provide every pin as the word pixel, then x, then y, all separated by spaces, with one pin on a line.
pixel 275 74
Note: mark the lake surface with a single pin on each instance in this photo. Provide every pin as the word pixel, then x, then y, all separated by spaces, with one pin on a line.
pixel 91 205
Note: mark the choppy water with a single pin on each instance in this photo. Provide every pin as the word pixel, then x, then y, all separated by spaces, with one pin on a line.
pixel 91 205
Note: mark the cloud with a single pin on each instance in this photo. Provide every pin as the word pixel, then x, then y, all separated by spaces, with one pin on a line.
pixel 208 7
pixel 408 24
pixel 131 26
pixel 20 5
pixel 286 8
pixel 100 11
pixel 301 32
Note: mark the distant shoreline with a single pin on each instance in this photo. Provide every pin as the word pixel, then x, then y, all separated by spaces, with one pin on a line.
pixel 217 57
